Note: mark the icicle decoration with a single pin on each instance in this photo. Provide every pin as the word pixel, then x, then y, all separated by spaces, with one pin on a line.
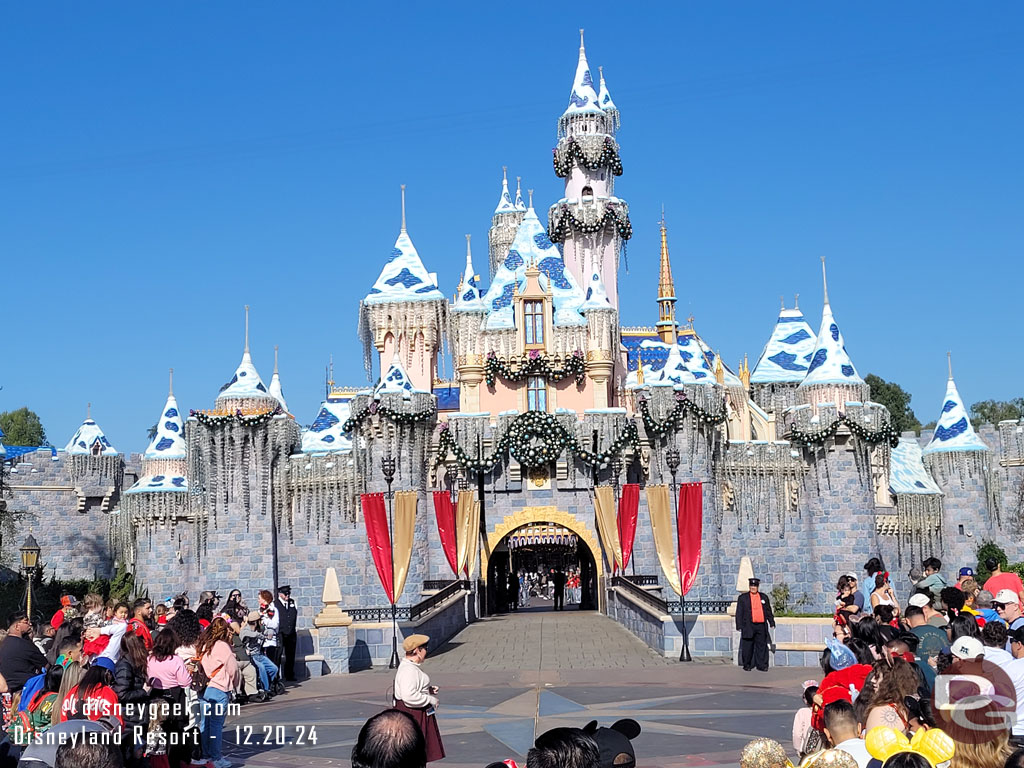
pixel 959 466
pixel 427 321
pixel 106 470
pixel 760 478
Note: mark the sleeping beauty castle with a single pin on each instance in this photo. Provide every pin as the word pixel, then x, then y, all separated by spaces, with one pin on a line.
pixel 634 455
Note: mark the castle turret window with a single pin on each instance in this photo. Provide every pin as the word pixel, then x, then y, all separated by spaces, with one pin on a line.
pixel 533 322
pixel 536 393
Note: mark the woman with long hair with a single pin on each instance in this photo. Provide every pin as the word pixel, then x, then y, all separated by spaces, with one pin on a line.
pixel 93 698
pixel 39 714
pixel 235 606
pixel 217 659
pixel 168 716
pixel 185 626
pixel 894 680
pixel 130 676
pixel 964 625
pixel 73 674
pixel 991 753
pixel 883 593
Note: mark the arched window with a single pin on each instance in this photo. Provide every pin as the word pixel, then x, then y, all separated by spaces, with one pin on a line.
pixel 588 191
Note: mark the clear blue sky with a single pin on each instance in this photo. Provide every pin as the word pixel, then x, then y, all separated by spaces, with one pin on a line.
pixel 163 165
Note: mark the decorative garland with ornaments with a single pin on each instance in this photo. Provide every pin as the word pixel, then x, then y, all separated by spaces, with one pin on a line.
pixel 608 157
pixel 535 439
pixel 238 417
pixel 395 417
pixel 674 419
pixel 568 223
pixel 518 369
pixel 886 434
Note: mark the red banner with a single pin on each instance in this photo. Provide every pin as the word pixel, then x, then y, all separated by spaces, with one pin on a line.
pixel 689 525
pixel 444 510
pixel 376 517
pixel 629 507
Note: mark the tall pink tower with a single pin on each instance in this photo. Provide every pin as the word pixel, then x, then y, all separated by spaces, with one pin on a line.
pixel 590 221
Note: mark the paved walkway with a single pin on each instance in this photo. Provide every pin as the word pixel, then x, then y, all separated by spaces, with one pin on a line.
pixel 507 679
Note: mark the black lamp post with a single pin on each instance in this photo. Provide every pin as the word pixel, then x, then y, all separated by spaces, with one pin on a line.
pixel 672 462
pixel 29 562
pixel 387 467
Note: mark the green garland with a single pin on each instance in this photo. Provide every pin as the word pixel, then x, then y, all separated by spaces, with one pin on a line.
pixel 248 420
pixel 568 223
pixel 886 434
pixel 395 417
pixel 609 157
pixel 674 419
pixel 527 366
pixel 521 442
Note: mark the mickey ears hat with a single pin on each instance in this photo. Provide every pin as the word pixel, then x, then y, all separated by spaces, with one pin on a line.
pixel 933 744
pixel 614 742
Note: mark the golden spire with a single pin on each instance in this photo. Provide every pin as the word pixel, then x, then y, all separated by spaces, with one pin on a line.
pixel 719 370
pixel 666 290
pixel 745 372
pixel 330 373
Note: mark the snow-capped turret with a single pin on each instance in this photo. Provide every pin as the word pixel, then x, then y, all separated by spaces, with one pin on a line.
pixel 831 376
pixel 275 385
pixel 89 440
pixel 788 353
pixel 325 434
pixel 520 205
pixel 245 390
pixel 169 441
pixel 597 296
pixel 583 96
pixel 469 297
pixel 604 100
pixel 953 430
pixel 506 220
pixel 395 380
pixel 404 278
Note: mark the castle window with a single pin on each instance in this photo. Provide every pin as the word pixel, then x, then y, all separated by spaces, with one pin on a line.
pixel 536 393
pixel 97 449
pixel 588 191
pixel 533 322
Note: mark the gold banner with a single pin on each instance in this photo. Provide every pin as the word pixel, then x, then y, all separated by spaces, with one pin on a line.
pixel 405 535
pixel 607 525
pixel 659 504
pixel 467 531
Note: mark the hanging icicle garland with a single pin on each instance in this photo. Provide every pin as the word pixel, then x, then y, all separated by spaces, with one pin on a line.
pixel 674 420
pixel 565 223
pixel 599 154
pixel 887 434
pixel 518 369
pixel 385 412
pixel 536 439
pixel 212 419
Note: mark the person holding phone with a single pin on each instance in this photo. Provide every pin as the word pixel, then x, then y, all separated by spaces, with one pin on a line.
pixel 415 696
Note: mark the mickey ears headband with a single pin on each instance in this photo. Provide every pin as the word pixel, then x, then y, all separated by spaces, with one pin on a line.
pixel 934 745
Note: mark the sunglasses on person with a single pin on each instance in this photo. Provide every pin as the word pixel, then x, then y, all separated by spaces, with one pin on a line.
pixel 999 606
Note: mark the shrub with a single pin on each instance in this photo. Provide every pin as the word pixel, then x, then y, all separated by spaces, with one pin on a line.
pixel 986 550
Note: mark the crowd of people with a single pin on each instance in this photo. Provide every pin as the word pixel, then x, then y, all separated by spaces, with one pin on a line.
pixel 559 586
pixel 156 681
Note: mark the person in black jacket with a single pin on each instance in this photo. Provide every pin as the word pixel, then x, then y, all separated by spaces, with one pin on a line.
pixel 288 630
pixel 753 617
pixel 133 693
pixel 20 659
pixel 558 579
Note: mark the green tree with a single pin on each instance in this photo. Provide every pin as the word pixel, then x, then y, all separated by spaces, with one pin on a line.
pixel 994 411
pixel 896 399
pixel 22 427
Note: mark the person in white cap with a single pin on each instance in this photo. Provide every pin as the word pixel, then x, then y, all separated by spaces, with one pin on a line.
pixel 415 696
pixel 1007 605
pixel 968 649
pixel 923 600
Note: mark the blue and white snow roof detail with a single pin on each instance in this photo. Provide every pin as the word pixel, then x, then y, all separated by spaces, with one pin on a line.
pixel 172 483
pixel 520 205
pixel 666 364
pixel 169 442
pixel 404 278
pixel 700 359
pixel 470 297
pixel 907 473
pixel 394 381
pixel 830 364
pixel 246 383
pixel 604 98
pixel 583 96
pixel 277 392
pixel 3 451
pixel 789 350
pixel 532 246
pixel 505 204
pixel 597 296
pixel 325 434
pixel 86 437
pixel 953 430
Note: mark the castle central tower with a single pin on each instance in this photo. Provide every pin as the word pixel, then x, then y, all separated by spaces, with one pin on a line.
pixel 590 221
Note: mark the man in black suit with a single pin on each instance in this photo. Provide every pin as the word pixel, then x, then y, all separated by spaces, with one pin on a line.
pixel 753 617
pixel 287 630
pixel 558 579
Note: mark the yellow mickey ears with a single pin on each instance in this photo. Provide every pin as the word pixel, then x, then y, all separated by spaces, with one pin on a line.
pixel 934 745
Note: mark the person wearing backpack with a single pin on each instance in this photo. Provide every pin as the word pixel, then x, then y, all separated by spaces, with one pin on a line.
pixel 216 676
pixel 38 715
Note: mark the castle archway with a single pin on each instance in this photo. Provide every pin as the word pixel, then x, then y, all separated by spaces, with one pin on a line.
pixel 541 538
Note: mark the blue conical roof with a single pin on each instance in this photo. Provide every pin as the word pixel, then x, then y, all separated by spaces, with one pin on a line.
pixel 505 204
pixel 583 96
pixel 82 442
pixel 169 442
pixel 325 434
pixel 788 353
pixel 907 473
pixel 404 278
pixel 954 431
pixel 469 297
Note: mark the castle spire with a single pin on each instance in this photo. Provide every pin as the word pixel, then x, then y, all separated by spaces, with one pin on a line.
pixel 824 279
pixel 469 294
pixel 276 391
pixel 403 208
pixel 519 204
pixel 246 350
pixel 949 362
pixel 604 100
pixel 170 385
pixel 666 291
pixel 582 97
pixel 505 204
